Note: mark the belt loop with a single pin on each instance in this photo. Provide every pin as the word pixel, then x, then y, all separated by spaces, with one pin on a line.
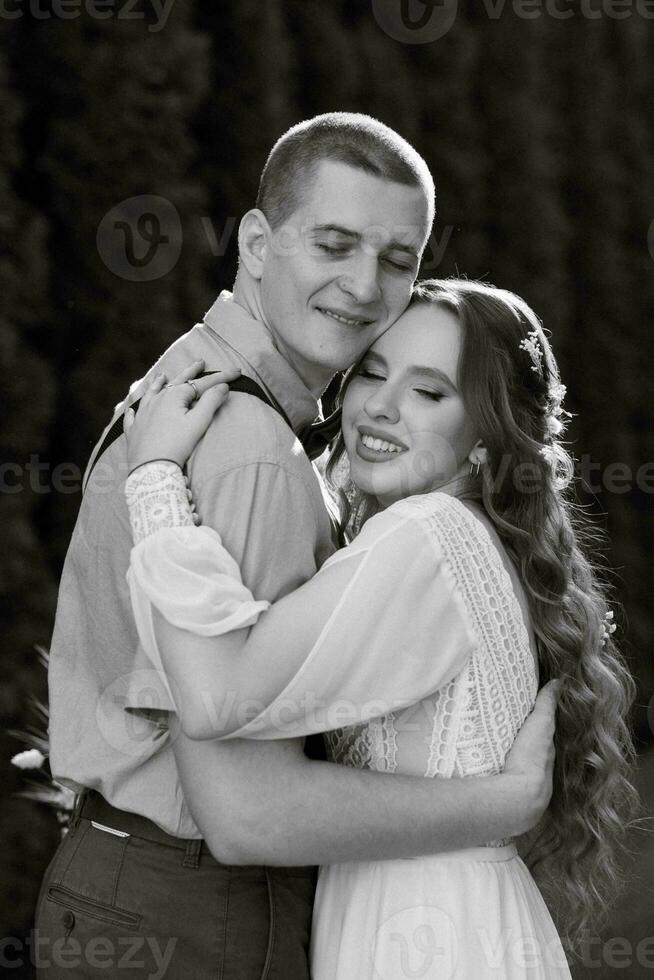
pixel 76 815
pixel 192 854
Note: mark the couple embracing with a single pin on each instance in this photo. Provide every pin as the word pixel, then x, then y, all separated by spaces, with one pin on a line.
pixel 252 674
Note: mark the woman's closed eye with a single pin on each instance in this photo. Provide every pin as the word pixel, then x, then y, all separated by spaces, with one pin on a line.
pixel 433 395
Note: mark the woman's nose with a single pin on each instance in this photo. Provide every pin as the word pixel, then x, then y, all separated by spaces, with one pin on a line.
pixel 382 404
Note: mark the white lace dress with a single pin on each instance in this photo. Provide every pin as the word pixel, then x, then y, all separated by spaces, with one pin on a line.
pixel 426 645
pixel 470 914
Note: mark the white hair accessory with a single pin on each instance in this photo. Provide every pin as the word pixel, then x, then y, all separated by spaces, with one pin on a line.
pixel 608 626
pixel 531 344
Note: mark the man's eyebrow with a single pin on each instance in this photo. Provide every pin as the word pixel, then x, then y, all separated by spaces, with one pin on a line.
pixel 338 228
pixel 350 233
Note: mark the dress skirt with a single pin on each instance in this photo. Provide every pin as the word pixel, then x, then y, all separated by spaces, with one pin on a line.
pixel 467 915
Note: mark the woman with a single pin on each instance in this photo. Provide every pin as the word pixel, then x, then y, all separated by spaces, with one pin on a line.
pixel 467 564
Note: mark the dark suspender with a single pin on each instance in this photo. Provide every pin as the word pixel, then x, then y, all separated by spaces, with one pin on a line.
pixel 315 438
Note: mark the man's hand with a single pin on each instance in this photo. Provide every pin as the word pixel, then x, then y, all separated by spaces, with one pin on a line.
pixel 173 417
pixel 531 759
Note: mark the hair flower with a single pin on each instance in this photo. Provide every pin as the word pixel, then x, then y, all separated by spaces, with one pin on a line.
pixel 29 759
pixel 556 394
pixel 531 344
pixel 608 626
pixel 554 425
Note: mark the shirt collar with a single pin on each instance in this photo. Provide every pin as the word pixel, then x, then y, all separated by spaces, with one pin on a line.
pixel 250 338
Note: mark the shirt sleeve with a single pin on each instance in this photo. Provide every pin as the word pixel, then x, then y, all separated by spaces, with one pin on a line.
pixel 381 625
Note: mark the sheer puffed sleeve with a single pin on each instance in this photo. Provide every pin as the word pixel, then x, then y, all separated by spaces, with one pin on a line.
pixel 381 626
pixel 397 630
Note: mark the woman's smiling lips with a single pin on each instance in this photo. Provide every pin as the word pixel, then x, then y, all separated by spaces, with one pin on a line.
pixel 375 445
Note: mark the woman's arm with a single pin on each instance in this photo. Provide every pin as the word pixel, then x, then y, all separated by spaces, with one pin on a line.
pixel 324 656
pixel 379 627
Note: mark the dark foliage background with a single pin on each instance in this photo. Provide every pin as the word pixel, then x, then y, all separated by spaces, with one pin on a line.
pixel 539 133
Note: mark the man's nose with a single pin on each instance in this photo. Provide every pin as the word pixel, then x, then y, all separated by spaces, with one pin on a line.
pixel 361 280
pixel 382 404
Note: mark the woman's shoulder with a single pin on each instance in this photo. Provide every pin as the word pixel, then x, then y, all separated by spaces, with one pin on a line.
pixel 423 522
pixel 459 529
pixel 441 511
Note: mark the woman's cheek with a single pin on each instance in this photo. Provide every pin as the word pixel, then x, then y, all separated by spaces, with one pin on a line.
pixel 433 459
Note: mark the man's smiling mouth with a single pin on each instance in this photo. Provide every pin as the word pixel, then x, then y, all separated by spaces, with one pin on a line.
pixel 343 318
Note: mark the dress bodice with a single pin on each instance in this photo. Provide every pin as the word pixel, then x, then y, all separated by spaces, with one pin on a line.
pixel 468 726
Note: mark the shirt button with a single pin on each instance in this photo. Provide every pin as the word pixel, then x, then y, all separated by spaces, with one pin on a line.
pixel 68 919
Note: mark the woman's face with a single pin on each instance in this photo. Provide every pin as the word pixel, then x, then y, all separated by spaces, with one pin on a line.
pixel 405 427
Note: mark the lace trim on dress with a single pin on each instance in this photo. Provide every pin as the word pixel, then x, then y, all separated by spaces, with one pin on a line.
pixel 476 716
pixel 500 680
pixel 157 496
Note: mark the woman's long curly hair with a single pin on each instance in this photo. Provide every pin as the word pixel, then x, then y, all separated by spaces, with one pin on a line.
pixel 512 390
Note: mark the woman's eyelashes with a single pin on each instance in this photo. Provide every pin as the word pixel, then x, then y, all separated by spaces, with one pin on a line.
pixel 369 375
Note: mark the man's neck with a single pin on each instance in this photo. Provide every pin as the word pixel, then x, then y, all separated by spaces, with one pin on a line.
pixel 247 294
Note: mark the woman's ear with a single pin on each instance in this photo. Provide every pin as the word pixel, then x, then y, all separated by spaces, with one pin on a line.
pixel 253 237
pixel 478 455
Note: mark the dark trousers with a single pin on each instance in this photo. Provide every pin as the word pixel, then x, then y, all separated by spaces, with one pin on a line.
pixel 153 906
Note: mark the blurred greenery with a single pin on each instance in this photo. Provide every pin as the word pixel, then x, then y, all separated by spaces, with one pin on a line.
pixel 538 132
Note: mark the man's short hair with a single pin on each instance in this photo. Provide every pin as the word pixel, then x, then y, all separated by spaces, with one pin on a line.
pixel 352 138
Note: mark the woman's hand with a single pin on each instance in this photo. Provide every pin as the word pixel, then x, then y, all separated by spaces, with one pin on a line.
pixel 172 417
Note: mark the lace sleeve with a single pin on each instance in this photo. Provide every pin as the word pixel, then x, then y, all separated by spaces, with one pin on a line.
pixel 157 496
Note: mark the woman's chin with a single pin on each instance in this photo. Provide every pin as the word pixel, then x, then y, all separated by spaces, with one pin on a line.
pixel 383 490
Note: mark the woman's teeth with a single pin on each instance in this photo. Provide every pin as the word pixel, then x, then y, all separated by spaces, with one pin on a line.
pixel 380 445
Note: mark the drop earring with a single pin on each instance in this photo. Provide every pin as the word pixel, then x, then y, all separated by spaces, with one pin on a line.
pixel 474 469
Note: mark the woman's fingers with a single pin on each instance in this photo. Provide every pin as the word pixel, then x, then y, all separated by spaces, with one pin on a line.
pixel 212 380
pixel 155 386
pixel 190 371
pixel 181 391
pixel 128 419
pixel 209 402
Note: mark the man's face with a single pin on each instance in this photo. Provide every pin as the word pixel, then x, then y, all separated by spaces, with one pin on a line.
pixel 340 270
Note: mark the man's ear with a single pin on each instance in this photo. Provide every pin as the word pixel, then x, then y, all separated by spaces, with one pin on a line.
pixel 478 454
pixel 253 238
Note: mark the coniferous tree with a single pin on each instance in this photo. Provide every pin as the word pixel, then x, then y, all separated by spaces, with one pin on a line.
pixel 27 587
pixel 127 278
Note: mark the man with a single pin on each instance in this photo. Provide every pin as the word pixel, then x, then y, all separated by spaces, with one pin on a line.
pixel 327 261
